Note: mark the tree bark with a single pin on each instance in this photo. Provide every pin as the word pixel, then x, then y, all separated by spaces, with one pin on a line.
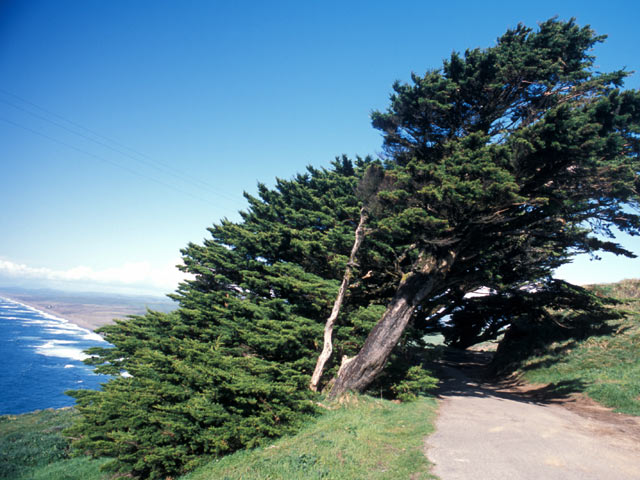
pixel 327 348
pixel 358 373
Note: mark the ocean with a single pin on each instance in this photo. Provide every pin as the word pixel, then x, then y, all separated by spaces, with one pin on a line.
pixel 42 357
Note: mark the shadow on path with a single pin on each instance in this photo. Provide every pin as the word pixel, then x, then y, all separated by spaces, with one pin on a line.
pixel 491 428
pixel 467 373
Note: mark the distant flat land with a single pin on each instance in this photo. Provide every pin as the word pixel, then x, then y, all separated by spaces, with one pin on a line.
pixel 88 310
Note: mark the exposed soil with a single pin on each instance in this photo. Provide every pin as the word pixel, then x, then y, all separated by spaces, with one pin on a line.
pixel 491 429
pixel 578 403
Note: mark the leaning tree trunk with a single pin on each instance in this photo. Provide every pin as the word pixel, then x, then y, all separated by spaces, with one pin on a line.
pixel 327 349
pixel 357 373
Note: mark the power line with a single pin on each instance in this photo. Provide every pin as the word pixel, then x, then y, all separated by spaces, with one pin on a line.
pixel 98 157
pixel 146 159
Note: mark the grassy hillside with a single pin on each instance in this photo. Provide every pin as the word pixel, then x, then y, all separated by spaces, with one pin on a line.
pixel 606 367
pixel 32 448
pixel 365 438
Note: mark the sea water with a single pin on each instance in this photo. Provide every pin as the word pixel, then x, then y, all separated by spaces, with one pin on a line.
pixel 41 358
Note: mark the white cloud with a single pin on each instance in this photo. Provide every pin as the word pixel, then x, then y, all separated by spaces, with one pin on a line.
pixel 163 278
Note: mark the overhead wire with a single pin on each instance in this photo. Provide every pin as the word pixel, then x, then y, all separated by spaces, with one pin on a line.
pixel 103 159
pixel 145 159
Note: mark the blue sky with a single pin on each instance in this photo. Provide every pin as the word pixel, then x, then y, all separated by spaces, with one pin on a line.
pixel 128 128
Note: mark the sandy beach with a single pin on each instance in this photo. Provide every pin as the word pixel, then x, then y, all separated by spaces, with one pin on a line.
pixel 89 313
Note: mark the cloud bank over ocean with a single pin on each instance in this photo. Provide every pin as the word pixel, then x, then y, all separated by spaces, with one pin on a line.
pixel 140 277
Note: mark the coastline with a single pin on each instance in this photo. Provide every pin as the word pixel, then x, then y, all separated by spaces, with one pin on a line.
pixel 60 314
pixel 45 356
pixel 88 311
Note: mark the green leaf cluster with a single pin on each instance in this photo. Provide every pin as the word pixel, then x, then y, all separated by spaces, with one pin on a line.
pixel 498 168
pixel 417 381
pixel 230 368
pixel 512 159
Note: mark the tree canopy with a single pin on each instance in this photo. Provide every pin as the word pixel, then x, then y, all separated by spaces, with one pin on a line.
pixel 230 368
pixel 498 168
pixel 501 165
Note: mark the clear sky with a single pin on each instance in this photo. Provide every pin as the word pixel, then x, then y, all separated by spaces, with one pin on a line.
pixel 127 128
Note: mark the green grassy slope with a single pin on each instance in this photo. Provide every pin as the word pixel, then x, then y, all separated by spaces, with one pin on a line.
pixel 31 447
pixel 365 438
pixel 605 367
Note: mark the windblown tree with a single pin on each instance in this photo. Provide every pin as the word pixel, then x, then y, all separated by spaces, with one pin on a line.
pixel 501 165
pixel 366 192
pixel 230 368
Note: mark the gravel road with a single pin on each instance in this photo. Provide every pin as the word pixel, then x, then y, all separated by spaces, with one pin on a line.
pixel 487 431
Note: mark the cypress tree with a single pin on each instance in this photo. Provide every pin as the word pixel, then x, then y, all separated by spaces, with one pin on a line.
pixel 501 165
pixel 230 368
pixel 498 168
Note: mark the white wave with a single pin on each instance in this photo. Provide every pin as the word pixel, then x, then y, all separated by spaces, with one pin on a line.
pixel 54 330
pixel 65 327
pixel 57 322
pixel 30 309
pixel 95 337
pixel 69 366
pixel 12 314
pixel 42 323
pixel 52 317
pixel 63 342
pixel 56 348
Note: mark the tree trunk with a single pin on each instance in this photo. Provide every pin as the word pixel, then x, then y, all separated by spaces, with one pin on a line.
pixel 358 373
pixel 327 349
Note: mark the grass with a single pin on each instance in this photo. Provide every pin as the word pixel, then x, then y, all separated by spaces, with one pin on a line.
pixel 32 447
pixel 364 438
pixel 361 438
pixel 605 367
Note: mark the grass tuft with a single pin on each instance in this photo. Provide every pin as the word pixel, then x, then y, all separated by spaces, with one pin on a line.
pixel 360 438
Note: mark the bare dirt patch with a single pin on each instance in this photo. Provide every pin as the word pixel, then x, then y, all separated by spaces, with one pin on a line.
pixel 611 423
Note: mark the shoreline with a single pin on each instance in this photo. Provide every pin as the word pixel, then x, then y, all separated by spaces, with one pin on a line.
pixel 87 311
pixel 44 308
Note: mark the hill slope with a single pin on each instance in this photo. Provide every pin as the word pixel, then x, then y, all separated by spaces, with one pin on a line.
pixel 364 438
pixel 605 366
pixel 32 448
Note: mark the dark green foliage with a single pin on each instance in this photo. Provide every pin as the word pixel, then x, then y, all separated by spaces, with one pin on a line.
pixel 526 311
pixel 229 368
pixel 499 167
pixel 417 381
pixel 513 159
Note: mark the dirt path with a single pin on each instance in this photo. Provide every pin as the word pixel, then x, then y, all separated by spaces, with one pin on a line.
pixel 520 433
